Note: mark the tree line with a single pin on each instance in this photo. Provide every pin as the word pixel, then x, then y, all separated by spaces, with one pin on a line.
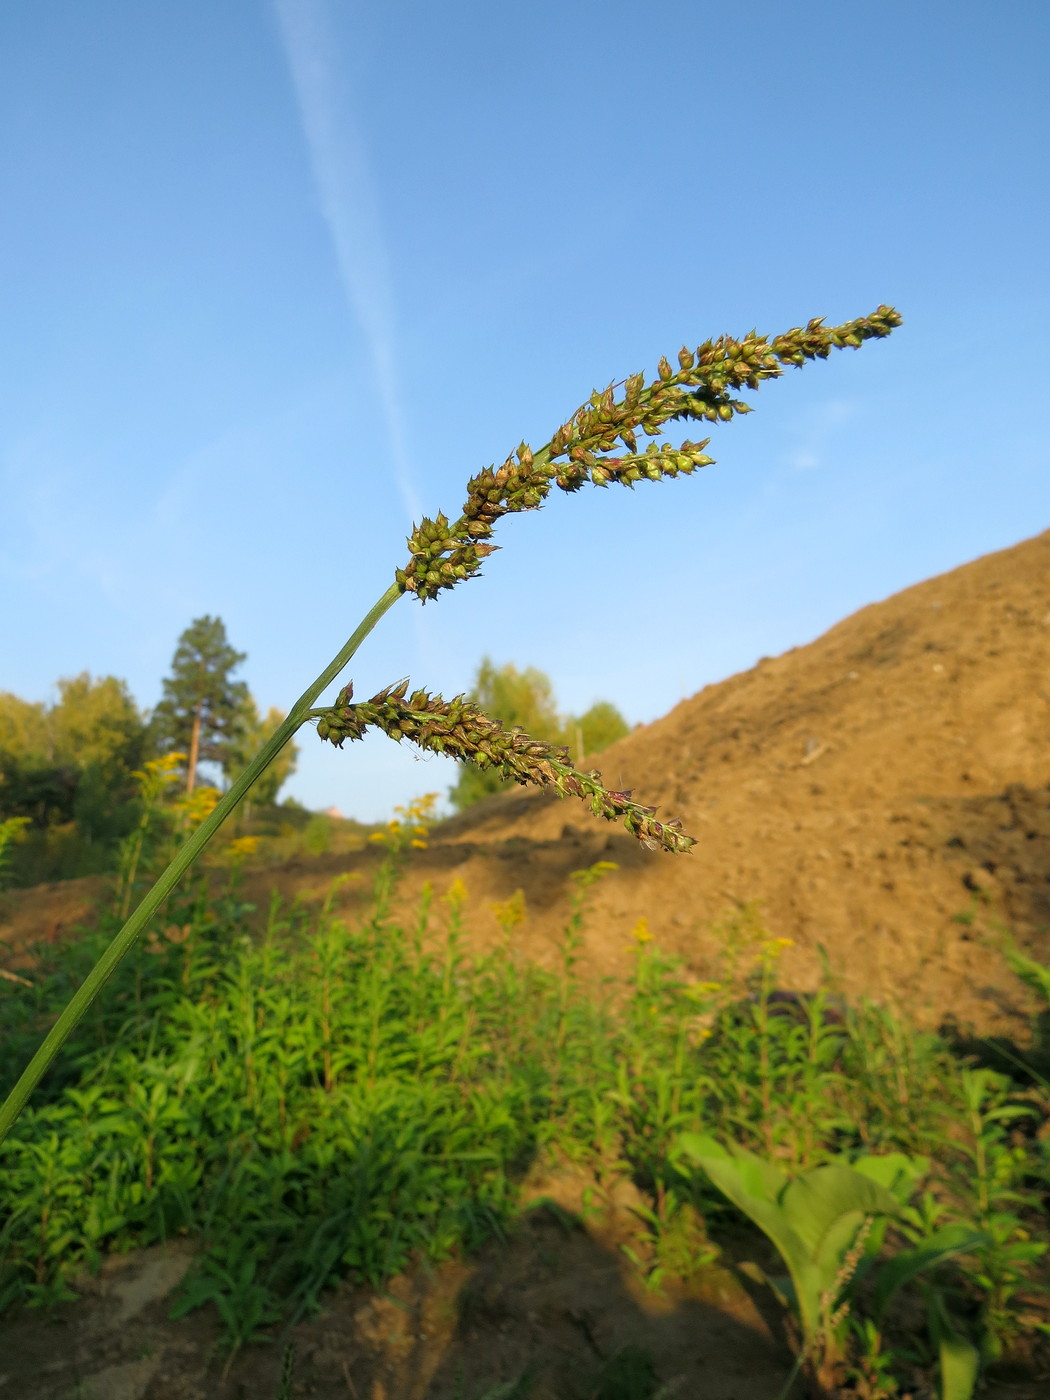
pixel 70 772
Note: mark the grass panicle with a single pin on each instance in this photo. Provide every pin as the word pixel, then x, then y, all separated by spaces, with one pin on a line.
pixel 702 389
pixel 461 730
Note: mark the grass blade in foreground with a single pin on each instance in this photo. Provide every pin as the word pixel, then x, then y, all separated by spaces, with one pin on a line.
pixel 443 554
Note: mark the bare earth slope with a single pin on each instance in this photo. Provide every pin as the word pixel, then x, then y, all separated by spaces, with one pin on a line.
pixel 865 788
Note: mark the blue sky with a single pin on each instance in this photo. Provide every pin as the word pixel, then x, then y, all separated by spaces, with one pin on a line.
pixel 275 278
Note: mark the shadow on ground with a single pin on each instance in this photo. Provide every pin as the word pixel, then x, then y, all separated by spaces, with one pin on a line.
pixel 554 1312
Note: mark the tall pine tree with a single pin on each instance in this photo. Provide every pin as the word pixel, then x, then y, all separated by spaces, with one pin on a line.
pixel 203 708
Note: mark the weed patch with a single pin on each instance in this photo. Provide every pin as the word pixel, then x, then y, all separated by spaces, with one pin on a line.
pixel 327 1102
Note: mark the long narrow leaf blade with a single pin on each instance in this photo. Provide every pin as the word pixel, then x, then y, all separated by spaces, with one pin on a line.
pixel 935 1249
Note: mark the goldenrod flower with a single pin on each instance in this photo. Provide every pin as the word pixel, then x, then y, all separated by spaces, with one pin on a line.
pixel 241 847
pixel 511 912
pixel 456 893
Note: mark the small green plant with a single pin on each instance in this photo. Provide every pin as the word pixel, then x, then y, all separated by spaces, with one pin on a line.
pixel 995 1170
pixel 11 830
pixel 822 1223
pixel 1032 973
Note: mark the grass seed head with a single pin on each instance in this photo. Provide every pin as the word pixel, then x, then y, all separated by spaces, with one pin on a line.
pixel 463 731
pixel 703 389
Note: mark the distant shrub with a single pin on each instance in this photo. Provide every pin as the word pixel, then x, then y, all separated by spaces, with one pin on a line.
pixel 317 834
pixel 526 699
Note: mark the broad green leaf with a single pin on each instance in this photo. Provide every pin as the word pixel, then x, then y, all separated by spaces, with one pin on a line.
pixel 900 1174
pixel 812 1220
pixel 896 1171
pixel 960 1363
pixel 817 1201
pixel 764 1178
pixel 753 1186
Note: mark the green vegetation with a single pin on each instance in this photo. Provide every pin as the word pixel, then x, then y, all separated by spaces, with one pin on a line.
pixel 318 1101
pixel 70 772
pixel 526 699
pixel 821 1222
pixel 66 769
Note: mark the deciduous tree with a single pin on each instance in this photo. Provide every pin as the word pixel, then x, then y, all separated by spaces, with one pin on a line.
pixel 67 769
pixel 526 698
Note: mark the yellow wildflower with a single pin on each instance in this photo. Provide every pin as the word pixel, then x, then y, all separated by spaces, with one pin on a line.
pixel 410 826
pixel 241 848
pixel 457 892
pixel 511 912
pixel 773 948
pixel 192 807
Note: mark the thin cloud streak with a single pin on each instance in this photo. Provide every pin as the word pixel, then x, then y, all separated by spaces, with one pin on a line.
pixel 346 194
pixel 821 424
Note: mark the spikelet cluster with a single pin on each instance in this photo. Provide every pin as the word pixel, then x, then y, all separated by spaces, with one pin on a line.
pixel 463 731
pixel 584 449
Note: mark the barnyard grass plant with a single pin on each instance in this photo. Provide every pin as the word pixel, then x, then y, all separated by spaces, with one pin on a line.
pixel 599 444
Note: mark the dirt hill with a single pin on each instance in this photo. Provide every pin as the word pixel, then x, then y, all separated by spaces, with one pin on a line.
pixel 866 790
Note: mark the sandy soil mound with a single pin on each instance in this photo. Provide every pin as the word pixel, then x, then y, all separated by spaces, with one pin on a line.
pixel 866 790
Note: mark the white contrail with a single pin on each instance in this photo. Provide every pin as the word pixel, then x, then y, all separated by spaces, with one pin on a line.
pixel 346 193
